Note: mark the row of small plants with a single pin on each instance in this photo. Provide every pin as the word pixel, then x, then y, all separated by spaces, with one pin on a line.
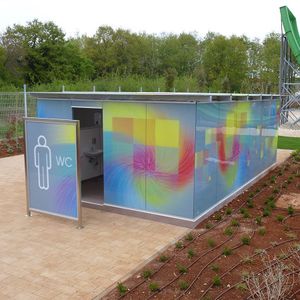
pixel 269 206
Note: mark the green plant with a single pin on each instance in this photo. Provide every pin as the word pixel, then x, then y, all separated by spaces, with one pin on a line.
pixel 216 280
pixel 179 245
pixel 227 251
pixel 208 225
pixel 290 210
pixel 163 258
pixel 121 288
pixel 183 285
pixel 246 214
pixel 191 253
pixel 266 212
pixel 181 268
pixel 245 274
pixel 250 203
pixel 211 243
pixel 228 231
pixel 261 230
pixel 257 190
pixel 215 267
pixel 147 274
pixel 251 195
pixel 245 240
pixel 218 217
pixel 228 211
pixel 279 218
pixel 189 237
pixel 235 223
pixel 258 220
pixel 241 286
pixel 242 210
pixel 153 286
pixel 276 191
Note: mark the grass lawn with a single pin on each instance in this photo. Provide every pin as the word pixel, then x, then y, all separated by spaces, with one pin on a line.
pixel 285 142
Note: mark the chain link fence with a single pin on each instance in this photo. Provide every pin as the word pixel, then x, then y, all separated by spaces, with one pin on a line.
pixel 12 113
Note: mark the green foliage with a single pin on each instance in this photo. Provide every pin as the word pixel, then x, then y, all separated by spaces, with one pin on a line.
pixel 147 274
pixel 182 269
pixel 227 251
pixel 179 245
pixel 215 267
pixel 245 240
pixel 121 288
pixel 211 243
pixel 189 236
pixel 279 218
pixel 261 230
pixel 228 211
pixel 242 287
pixel 153 286
pixel 228 231
pixel 258 220
pixel 183 285
pixel 163 258
pixel 235 223
pixel 216 280
pixel 191 253
pixel 39 54
pixel 290 210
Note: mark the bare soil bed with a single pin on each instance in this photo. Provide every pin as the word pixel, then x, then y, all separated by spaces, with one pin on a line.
pixel 11 147
pixel 249 237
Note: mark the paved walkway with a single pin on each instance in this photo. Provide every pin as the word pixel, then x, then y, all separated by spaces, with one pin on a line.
pixel 44 257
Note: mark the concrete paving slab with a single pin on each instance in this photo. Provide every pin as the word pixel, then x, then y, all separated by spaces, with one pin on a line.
pixel 45 257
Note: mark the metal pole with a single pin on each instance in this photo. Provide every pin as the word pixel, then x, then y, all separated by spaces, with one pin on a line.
pixel 63 88
pixel 119 89
pixel 94 89
pixel 25 101
pixel 141 89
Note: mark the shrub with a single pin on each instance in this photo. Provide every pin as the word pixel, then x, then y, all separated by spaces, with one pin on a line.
pixel 183 285
pixel 182 269
pixel 228 211
pixel 235 223
pixel 258 220
pixel 163 258
pixel 228 231
pixel 290 210
pixel 279 218
pixel 179 245
pixel 208 225
pixel 227 251
pixel 276 191
pixel 261 230
pixel 266 212
pixel 191 253
pixel 245 240
pixel 250 203
pixel 121 288
pixel 211 243
pixel 147 274
pixel 218 217
pixel 216 280
pixel 153 286
pixel 189 237
pixel 215 267
pixel 242 287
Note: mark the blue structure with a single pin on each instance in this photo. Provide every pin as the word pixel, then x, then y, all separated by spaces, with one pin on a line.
pixel 173 156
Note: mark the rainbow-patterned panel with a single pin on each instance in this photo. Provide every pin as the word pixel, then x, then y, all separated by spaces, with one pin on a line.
pixel 149 157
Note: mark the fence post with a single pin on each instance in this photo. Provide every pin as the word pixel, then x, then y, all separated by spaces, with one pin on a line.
pixel 25 101
pixel 94 89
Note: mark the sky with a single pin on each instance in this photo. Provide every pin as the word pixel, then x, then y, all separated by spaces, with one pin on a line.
pixel 253 18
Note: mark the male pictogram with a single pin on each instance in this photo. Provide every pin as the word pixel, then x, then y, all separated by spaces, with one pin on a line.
pixel 42 161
